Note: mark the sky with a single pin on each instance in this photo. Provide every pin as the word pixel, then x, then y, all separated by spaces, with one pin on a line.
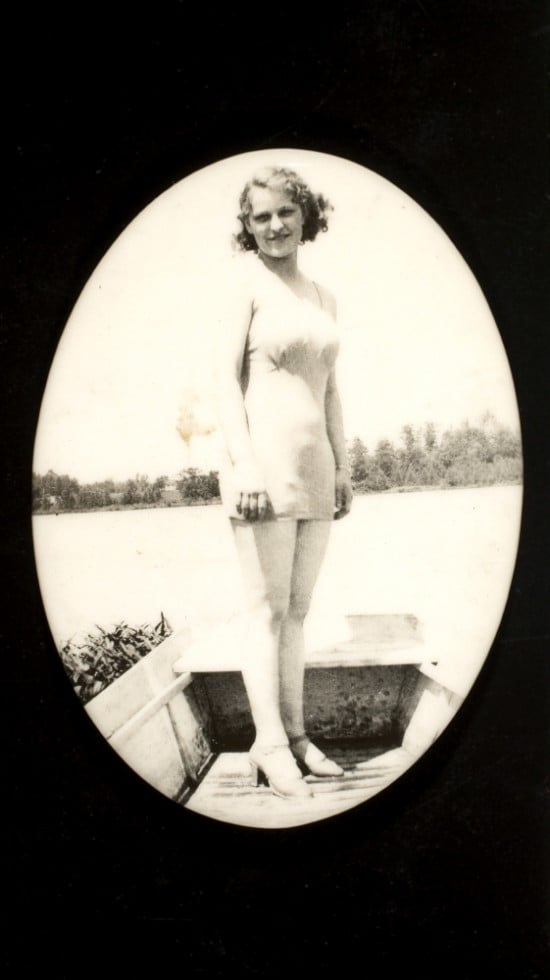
pixel 418 342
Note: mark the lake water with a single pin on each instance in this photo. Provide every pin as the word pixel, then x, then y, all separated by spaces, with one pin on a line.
pixel 445 556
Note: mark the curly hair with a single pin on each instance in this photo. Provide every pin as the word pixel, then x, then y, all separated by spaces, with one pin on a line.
pixel 314 207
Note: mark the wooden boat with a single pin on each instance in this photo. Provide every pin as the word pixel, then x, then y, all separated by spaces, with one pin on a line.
pixel 180 718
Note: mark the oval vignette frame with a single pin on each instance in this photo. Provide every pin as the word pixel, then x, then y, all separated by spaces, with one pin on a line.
pixel 415 579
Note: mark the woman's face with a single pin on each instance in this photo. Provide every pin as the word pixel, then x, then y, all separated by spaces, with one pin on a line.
pixel 275 221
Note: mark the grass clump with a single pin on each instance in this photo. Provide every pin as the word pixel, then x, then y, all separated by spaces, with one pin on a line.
pixel 96 661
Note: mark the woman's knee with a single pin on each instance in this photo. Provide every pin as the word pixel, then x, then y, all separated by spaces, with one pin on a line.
pixel 271 611
pixel 298 607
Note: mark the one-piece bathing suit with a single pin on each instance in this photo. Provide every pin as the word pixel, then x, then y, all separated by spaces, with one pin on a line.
pixel 290 351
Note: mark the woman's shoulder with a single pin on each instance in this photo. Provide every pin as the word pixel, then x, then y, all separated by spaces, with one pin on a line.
pixel 328 298
pixel 244 266
pixel 234 285
pixel 233 301
pixel 241 276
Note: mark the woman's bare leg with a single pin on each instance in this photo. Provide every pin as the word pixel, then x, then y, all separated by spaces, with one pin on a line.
pixel 266 551
pixel 311 543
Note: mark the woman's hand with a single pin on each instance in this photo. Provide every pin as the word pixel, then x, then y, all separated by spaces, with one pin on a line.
pixel 252 502
pixel 335 430
pixel 343 495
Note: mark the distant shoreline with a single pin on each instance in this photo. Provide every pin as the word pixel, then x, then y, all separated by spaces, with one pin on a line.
pixel 160 505
pixel 216 501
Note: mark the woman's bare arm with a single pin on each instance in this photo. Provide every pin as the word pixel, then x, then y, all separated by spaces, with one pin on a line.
pixel 228 363
pixel 335 423
pixel 333 406
pixel 335 431
pixel 229 351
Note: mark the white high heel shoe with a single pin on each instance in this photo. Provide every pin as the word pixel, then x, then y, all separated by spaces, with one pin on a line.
pixel 312 759
pixel 275 765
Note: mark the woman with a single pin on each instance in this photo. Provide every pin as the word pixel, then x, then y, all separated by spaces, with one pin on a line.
pixel 286 475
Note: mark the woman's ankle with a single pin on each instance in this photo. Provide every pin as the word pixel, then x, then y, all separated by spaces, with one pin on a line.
pixel 268 738
pixel 297 736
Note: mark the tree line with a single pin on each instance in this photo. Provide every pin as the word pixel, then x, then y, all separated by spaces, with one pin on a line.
pixel 482 455
pixel 60 492
pixel 54 492
pixel 471 455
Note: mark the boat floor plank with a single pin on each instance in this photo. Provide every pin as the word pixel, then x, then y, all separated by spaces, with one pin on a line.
pixel 226 793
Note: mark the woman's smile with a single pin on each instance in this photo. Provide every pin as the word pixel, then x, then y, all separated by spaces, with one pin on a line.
pixel 275 221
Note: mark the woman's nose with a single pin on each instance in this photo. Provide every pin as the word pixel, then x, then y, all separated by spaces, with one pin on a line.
pixel 276 222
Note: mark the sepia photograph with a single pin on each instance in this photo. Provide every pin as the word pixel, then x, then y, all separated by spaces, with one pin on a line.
pixel 274 361
pixel 277 488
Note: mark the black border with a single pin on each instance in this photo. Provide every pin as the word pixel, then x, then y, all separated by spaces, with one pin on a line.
pixel 446 868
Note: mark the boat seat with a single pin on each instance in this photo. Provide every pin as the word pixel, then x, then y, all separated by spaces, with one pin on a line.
pixel 367 641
